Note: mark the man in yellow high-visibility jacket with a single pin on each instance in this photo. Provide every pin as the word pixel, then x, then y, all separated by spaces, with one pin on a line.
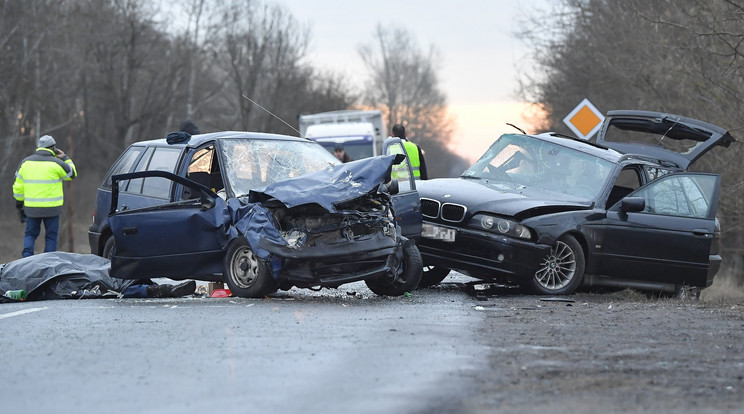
pixel 414 153
pixel 38 192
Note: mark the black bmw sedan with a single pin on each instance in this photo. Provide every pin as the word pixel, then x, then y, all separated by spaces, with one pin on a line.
pixel 550 212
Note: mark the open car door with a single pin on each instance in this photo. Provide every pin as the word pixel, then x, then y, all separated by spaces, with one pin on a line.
pixel 179 240
pixel 406 203
pixel 665 231
pixel 661 136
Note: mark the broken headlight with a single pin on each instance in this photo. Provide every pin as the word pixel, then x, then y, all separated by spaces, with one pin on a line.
pixel 500 225
pixel 295 238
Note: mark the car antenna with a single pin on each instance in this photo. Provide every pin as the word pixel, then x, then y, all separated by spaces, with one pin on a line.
pixel 270 113
pixel 516 127
pixel 676 121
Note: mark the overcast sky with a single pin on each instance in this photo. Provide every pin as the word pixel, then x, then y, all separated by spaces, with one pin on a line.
pixel 475 38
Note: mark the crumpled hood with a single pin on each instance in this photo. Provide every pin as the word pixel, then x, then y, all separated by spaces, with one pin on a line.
pixel 491 196
pixel 332 185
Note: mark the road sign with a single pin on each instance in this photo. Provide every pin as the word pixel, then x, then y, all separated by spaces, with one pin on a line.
pixel 584 120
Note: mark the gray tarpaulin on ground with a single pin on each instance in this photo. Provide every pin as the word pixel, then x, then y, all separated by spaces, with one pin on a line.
pixel 60 275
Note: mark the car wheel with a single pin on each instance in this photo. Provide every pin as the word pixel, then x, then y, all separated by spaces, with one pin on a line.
pixel 245 274
pixel 109 248
pixel 432 275
pixel 407 279
pixel 561 270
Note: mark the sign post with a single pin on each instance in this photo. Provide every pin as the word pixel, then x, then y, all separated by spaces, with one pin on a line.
pixel 584 120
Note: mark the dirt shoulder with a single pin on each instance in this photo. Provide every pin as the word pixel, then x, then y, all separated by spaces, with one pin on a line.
pixel 620 352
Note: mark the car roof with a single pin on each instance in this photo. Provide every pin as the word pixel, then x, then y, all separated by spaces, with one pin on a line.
pixel 601 151
pixel 197 140
pixel 578 144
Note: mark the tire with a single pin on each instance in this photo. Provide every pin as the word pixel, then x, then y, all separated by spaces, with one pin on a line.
pixel 245 274
pixel 561 270
pixel 408 278
pixel 432 275
pixel 109 248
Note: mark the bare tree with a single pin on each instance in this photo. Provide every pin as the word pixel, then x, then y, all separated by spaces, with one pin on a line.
pixel 403 82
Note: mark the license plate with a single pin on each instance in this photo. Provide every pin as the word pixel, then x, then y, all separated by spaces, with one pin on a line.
pixel 431 231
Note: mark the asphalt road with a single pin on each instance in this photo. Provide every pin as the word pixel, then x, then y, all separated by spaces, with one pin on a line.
pixel 439 351
pixel 334 351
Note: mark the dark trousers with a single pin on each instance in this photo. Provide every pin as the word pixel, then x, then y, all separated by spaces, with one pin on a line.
pixel 33 228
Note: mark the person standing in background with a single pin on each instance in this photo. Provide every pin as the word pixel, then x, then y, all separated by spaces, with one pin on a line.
pixel 38 192
pixel 413 152
pixel 340 153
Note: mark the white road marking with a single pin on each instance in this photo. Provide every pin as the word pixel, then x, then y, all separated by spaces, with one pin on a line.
pixel 22 312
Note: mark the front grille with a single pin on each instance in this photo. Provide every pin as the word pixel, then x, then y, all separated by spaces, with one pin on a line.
pixel 453 212
pixel 429 208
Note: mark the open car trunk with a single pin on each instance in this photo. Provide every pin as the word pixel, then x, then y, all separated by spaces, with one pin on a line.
pixel 661 136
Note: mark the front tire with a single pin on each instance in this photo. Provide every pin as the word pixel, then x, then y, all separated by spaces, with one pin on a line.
pixel 561 270
pixel 245 274
pixel 408 278
pixel 432 275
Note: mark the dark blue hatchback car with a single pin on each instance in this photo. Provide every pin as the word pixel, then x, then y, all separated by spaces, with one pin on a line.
pixel 259 212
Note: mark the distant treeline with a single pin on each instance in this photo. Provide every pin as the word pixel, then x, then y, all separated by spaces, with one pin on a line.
pixel 99 75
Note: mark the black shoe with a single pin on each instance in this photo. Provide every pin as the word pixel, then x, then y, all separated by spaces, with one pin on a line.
pixel 182 289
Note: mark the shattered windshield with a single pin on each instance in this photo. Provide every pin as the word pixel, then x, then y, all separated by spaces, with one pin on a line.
pixel 253 163
pixel 516 162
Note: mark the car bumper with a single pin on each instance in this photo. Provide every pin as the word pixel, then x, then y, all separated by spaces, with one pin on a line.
pixel 336 262
pixel 714 261
pixel 336 250
pixel 482 254
pixel 93 239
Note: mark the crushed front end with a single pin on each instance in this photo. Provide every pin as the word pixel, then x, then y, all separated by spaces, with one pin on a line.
pixel 319 248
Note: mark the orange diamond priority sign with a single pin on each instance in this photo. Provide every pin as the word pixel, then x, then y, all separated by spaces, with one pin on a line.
pixel 584 120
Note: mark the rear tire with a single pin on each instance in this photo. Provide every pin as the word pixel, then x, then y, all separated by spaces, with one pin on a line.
pixel 432 275
pixel 408 278
pixel 245 274
pixel 109 248
pixel 561 270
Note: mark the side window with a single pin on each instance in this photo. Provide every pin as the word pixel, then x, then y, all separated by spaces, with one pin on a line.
pixel 135 186
pixel 164 159
pixel 626 182
pixel 123 165
pixel 204 168
pixel 400 171
pixel 680 195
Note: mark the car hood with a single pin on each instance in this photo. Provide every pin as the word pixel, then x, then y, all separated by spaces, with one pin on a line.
pixel 664 126
pixel 480 195
pixel 333 185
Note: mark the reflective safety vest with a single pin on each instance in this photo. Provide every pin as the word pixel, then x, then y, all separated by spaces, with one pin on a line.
pixel 38 182
pixel 412 151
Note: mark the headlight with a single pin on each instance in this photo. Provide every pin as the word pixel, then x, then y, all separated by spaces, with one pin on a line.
pixel 295 238
pixel 500 226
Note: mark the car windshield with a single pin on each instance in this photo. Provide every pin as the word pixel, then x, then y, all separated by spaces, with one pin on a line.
pixel 515 162
pixel 253 163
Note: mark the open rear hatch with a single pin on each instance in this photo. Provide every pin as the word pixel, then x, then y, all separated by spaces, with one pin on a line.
pixel 661 136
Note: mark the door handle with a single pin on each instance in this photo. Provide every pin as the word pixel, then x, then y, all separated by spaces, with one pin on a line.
pixel 701 233
pixel 129 230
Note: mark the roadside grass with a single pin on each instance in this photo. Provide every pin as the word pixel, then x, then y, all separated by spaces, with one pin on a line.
pixel 726 289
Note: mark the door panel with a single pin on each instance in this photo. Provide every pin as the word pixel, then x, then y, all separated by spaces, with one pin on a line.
pixel 670 240
pixel 178 240
pixel 406 203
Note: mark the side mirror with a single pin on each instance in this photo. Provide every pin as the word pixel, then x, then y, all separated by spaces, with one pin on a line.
pixel 206 202
pixel 632 204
